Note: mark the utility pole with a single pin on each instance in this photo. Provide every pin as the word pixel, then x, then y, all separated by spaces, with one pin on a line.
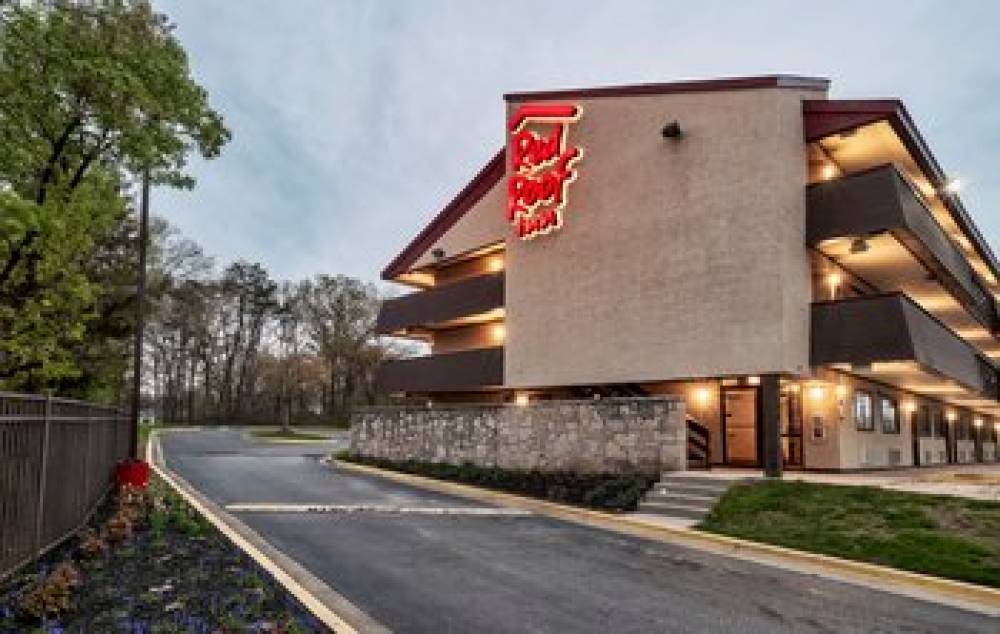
pixel 140 301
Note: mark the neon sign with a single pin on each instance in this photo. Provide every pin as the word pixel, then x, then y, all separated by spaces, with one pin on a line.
pixel 542 167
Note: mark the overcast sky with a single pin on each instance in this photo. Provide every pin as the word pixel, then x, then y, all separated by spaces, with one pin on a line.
pixel 355 121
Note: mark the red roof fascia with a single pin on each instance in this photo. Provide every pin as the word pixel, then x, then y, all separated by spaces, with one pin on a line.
pixel 478 187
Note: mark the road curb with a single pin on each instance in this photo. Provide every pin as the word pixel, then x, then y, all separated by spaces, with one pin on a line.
pixel 329 607
pixel 935 589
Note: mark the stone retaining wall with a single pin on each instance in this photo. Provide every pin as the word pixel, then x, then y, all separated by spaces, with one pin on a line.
pixel 587 436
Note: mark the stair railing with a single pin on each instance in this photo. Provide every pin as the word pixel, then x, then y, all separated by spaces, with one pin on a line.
pixel 699 447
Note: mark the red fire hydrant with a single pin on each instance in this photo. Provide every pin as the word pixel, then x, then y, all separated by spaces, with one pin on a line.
pixel 133 473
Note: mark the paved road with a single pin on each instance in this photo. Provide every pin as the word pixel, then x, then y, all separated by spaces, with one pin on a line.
pixel 455 573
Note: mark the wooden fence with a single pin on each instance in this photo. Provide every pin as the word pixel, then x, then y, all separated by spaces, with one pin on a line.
pixel 56 461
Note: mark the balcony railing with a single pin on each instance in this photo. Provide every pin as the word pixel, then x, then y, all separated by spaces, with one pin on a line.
pixel 452 371
pixel 891 327
pixel 882 200
pixel 440 305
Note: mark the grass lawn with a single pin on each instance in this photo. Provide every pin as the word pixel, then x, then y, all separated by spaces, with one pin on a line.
pixel 280 434
pixel 938 535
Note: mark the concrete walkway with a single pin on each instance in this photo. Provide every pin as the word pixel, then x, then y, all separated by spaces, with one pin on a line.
pixel 458 572
pixel 978 481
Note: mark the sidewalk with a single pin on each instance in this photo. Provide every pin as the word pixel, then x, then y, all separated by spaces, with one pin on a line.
pixel 975 481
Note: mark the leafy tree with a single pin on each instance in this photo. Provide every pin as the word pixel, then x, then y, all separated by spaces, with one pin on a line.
pixel 91 96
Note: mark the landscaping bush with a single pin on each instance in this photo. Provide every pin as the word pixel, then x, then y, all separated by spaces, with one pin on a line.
pixel 618 492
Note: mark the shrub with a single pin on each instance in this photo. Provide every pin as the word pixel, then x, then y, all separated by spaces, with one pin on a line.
pixel 92 544
pixel 51 597
pixel 118 528
pixel 620 492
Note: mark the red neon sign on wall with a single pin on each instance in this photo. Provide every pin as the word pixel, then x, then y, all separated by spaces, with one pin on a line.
pixel 542 167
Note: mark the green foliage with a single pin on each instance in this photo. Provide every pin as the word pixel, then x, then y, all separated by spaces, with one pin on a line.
pixel 90 97
pixel 938 535
pixel 618 492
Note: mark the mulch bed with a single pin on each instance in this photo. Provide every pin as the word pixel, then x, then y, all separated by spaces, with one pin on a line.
pixel 168 571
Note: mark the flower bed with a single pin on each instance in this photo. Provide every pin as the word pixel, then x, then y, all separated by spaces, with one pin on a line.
pixel 148 563
pixel 605 491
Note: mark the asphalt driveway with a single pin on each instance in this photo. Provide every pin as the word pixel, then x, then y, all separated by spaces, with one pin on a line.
pixel 484 573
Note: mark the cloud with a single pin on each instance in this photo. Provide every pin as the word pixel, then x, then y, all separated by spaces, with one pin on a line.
pixel 355 122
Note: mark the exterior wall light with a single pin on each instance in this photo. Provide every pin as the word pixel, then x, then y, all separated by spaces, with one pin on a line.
pixel 817 392
pixel 702 396
pixel 499 333
pixel 829 171
pixel 753 380
pixel 495 264
pixel 521 399
pixel 953 186
pixel 909 407
pixel 672 130
pixel 950 416
pixel 833 281
pixel 841 391
pixel 978 423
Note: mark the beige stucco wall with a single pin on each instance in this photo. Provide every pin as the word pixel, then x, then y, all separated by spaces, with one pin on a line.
pixel 846 446
pixel 481 225
pixel 677 259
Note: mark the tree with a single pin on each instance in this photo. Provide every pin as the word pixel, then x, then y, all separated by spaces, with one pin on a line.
pixel 91 97
pixel 341 314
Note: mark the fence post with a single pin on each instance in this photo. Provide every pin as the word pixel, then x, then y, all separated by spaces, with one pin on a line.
pixel 87 460
pixel 43 472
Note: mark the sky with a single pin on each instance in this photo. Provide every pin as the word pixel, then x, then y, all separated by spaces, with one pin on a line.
pixel 354 122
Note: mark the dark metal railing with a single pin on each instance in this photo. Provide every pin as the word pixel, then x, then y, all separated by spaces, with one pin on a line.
pixel 699 447
pixel 56 461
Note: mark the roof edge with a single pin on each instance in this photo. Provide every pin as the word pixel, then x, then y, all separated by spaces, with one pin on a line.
pixel 683 86
pixel 478 187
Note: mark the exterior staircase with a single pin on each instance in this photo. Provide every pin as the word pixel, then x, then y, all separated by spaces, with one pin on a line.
pixel 681 496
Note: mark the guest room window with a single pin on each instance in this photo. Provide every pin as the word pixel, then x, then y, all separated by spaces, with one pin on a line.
pixel 863 411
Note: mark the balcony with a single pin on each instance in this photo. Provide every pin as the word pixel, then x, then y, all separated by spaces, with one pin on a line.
pixel 890 339
pixel 874 224
pixel 449 372
pixel 444 305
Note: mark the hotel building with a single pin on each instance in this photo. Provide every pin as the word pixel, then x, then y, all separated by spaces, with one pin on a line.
pixel 798 268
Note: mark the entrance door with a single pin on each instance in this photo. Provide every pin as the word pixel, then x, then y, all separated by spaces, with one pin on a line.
pixel 791 429
pixel 740 406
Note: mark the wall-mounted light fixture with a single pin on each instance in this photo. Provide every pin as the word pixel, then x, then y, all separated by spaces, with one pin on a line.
pixel 498 332
pixel 495 263
pixel 521 399
pixel 950 415
pixel 953 186
pixel 817 392
pixel 978 423
pixel 909 407
pixel 702 396
pixel 753 380
pixel 829 171
pixel 833 281
pixel 841 391
pixel 859 245
pixel 672 130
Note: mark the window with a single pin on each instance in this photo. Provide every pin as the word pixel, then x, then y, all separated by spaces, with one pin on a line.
pixel 863 411
pixel 889 415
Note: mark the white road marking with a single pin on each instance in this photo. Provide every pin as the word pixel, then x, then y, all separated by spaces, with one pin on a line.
pixel 254 507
